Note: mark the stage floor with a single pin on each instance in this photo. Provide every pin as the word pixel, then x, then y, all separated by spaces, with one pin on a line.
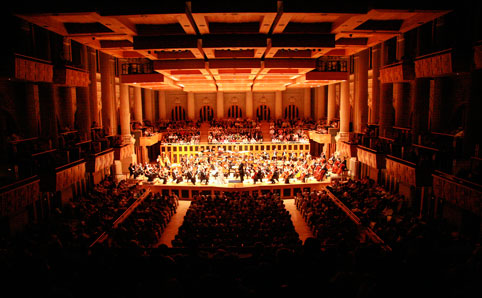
pixel 185 189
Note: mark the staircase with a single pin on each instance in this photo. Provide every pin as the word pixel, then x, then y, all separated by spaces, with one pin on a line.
pixel 204 132
pixel 264 126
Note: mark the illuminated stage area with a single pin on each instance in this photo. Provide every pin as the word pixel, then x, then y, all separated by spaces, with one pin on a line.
pixel 186 190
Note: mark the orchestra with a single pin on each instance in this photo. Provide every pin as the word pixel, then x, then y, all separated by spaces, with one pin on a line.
pixel 218 167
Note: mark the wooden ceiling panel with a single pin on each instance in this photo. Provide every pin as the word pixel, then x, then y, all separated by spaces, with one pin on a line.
pixel 203 50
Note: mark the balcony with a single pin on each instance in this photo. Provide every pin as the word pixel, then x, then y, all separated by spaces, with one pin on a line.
pixel 399 72
pixel 441 63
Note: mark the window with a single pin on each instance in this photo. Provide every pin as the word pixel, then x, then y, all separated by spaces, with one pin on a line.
pixel 235 111
pixel 178 113
pixel 206 113
pixel 291 112
pixel 263 113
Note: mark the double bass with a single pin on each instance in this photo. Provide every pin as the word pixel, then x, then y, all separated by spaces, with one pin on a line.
pixel 319 173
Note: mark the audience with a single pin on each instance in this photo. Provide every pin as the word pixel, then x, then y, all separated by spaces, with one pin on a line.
pixel 236 219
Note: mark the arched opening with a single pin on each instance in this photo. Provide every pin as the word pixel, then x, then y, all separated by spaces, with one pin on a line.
pixel 206 113
pixel 178 113
pixel 263 113
pixel 291 112
pixel 235 111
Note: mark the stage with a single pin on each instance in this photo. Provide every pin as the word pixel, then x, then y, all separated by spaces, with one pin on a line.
pixel 186 190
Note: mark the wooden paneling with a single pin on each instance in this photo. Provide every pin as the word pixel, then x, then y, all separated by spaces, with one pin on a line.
pixel 16 199
pixel 34 71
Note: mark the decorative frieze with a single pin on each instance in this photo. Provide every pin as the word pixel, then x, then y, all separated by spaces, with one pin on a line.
pixel 395 73
pixel 402 172
pixel 34 71
pixel 16 199
pixel 371 158
pixel 69 176
pixel 458 194
pixel 71 77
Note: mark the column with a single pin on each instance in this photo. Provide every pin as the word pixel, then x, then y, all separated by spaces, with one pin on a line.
pixel 249 104
pixel 344 110
pixel 190 106
pixel 83 112
pixel 320 102
pixel 374 113
pixel 220 104
pixel 138 105
pixel 107 88
pixel 125 115
pixel 278 105
pixel 66 107
pixel 162 105
pixel 331 102
pixel 401 99
pixel 32 110
pixel 439 86
pixel 419 106
pixel 386 109
pixel 472 140
pixel 148 105
pixel 361 95
pixel 94 101
pixel 307 103
pixel 48 99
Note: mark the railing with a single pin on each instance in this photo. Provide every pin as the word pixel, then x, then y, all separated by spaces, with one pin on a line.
pixel 175 151
pixel 122 217
pixel 369 232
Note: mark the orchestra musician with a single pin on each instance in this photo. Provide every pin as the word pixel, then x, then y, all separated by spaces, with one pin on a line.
pixel 275 175
pixel 241 171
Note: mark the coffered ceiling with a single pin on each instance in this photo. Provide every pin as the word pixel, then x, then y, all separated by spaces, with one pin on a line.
pixel 197 47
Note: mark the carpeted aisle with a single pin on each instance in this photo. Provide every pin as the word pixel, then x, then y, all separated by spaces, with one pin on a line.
pixel 176 221
pixel 298 221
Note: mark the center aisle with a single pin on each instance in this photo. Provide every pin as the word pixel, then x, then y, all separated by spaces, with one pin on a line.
pixel 173 226
pixel 298 221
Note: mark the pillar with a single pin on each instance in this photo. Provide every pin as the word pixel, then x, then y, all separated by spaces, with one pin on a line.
pixel 320 102
pixel 138 105
pixel 148 115
pixel 83 112
pixel 375 96
pixel 419 106
pixel 344 109
pixel 472 141
pixel 94 101
pixel 107 89
pixel 439 90
pixel 307 103
pixel 125 115
pixel 401 100
pixel 32 110
pixel 66 107
pixel 361 94
pixel 162 105
pixel 249 104
pixel 191 113
pixel 331 103
pixel 278 105
pixel 386 109
pixel 220 104
pixel 48 99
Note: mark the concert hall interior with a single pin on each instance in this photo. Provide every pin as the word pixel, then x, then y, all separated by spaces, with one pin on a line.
pixel 241 149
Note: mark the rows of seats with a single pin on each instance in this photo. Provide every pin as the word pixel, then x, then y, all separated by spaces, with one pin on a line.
pixel 234 131
pixel 145 225
pixel 236 219
pixel 388 215
pixel 273 262
pixel 290 130
pixel 81 222
pixel 328 223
